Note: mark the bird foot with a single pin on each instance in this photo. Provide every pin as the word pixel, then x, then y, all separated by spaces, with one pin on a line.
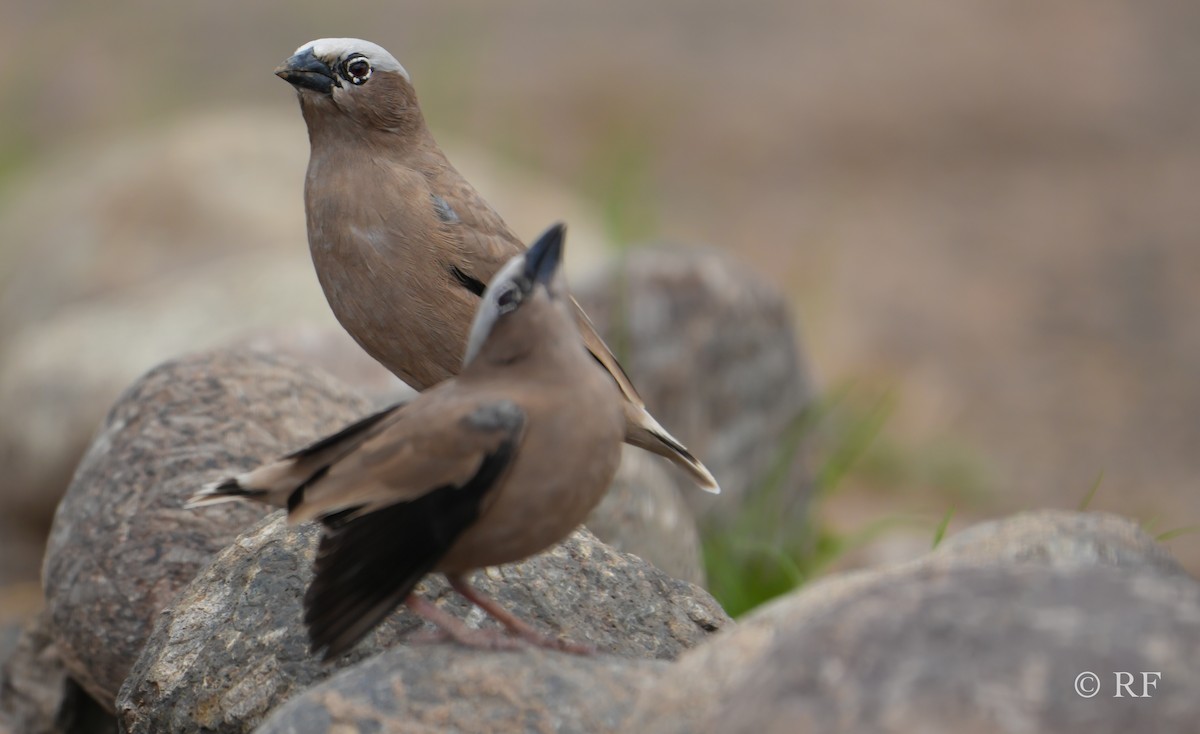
pixel 468 637
pixel 519 634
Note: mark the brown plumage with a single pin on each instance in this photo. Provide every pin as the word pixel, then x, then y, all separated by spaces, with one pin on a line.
pixel 402 244
pixel 485 468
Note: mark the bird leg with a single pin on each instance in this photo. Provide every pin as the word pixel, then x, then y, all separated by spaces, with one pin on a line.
pixel 449 626
pixel 513 623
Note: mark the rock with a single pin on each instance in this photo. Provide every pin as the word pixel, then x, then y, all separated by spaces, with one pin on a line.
pixel 981 637
pixel 122 545
pixel 645 514
pixel 147 205
pixel 330 348
pixel 1061 539
pixel 446 688
pixel 38 697
pixel 61 396
pixel 232 647
pixel 712 349
pixel 966 649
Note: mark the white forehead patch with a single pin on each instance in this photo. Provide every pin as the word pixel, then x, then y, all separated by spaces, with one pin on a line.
pixel 330 50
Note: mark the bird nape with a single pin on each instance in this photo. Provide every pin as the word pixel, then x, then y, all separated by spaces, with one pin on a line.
pixel 447 482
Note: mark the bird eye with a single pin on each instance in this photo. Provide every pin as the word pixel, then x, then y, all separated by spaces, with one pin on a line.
pixel 509 299
pixel 358 69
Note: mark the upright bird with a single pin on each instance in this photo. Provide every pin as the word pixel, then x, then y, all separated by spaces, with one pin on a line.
pixel 482 469
pixel 402 243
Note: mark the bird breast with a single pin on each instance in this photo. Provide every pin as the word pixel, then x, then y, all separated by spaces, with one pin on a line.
pixel 565 464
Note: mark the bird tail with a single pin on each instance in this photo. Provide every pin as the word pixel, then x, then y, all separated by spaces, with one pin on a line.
pixel 280 483
pixel 224 490
pixel 643 431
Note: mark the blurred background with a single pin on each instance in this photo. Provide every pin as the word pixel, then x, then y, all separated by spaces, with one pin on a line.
pixel 985 218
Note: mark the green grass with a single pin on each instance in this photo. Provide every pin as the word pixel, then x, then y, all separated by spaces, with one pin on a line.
pixel 1091 495
pixel 940 533
pixel 772 547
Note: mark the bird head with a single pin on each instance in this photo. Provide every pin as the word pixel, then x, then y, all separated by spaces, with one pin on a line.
pixel 357 78
pixel 528 288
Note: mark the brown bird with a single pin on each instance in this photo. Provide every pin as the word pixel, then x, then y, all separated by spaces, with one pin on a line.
pixel 402 244
pixel 485 468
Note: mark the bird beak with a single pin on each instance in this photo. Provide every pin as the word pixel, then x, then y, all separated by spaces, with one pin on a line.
pixel 542 260
pixel 306 71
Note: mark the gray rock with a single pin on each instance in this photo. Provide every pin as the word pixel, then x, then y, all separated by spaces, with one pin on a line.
pixel 232 646
pixel 712 349
pixel 61 397
pixel 975 649
pixel 978 636
pixel 1060 538
pixel 38 697
pixel 122 545
pixel 644 513
pixel 451 689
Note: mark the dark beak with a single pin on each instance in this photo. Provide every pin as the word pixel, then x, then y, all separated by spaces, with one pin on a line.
pixel 306 71
pixel 543 258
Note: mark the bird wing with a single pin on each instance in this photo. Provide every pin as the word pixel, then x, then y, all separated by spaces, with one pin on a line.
pixel 438 441
pixel 371 556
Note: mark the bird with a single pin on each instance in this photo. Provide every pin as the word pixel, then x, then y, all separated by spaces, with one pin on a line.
pixel 485 468
pixel 402 244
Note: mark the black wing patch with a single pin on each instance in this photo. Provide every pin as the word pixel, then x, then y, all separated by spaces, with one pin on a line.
pixel 358 427
pixel 475 285
pixel 361 424
pixel 368 564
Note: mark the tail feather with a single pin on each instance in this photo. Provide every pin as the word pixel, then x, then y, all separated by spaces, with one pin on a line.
pixel 224 490
pixel 276 483
pixel 643 431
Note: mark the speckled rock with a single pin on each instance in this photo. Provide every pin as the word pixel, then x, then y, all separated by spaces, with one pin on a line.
pixel 452 690
pixel 978 636
pixel 232 647
pixel 122 545
pixel 712 349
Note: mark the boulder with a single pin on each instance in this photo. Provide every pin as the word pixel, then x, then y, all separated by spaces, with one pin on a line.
pixel 453 690
pixel 232 646
pixel 122 545
pixel 1063 539
pixel 979 636
pixel 61 396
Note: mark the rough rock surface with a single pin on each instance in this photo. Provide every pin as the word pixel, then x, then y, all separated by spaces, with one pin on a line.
pixel 712 349
pixel 453 690
pixel 122 545
pixel 232 647
pixel 977 637
pixel 36 694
